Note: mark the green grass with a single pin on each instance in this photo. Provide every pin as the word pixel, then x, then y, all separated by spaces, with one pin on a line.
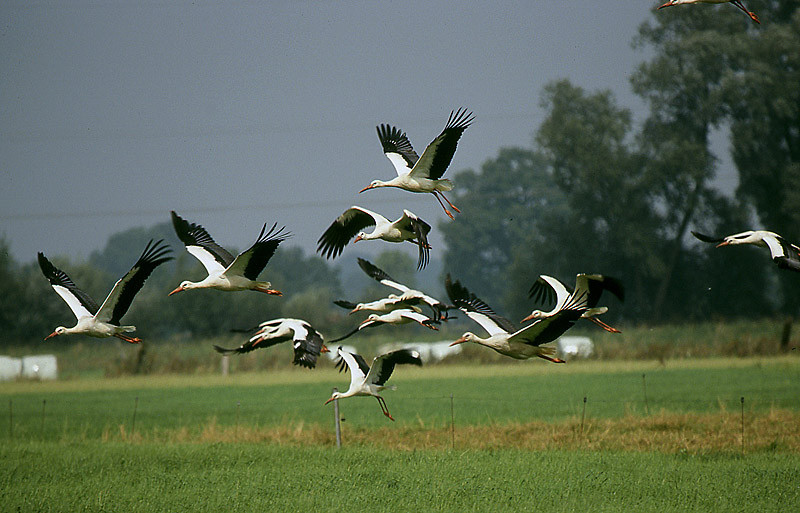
pixel 94 476
pixel 481 395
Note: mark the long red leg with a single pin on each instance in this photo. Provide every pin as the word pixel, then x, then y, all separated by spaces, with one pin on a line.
pixel 551 358
pixel 604 325
pixel 384 409
pixel 442 204
pixel 130 340
pixel 741 6
pixel 449 203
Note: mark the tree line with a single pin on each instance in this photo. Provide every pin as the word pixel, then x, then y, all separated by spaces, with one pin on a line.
pixel 594 192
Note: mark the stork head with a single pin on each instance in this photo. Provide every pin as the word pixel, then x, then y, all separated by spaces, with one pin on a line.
pixel 183 286
pixel 335 395
pixel 466 337
pixel 58 331
pixel 358 308
pixel 372 185
pixel 536 314
pixel 371 318
pixel 671 3
pixel 359 236
pixel 748 237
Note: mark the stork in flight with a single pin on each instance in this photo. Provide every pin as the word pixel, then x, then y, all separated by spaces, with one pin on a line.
pixel 306 341
pixel 423 174
pixel 350 224
pixel 504 337
pixel 785 254
pixel 737 3
pixel 547 288
pixel 408 296
pixel 104 321
pixel 224 271
pixel 366 380
pixel 397 317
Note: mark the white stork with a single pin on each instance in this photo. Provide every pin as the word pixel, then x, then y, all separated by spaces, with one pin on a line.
pixel 547 288
pixel 366 380
pixel 350 224
pixel 408 296
pixel 306 341
pixel 737 3
pixel 224 271
pixel 103 321
pixel 423 174
pixel 390 303
pixel 785 254
pixel 503 336
pixel 396 317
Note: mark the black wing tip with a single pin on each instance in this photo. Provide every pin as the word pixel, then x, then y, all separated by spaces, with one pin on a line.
pixel 706 238
pixel 372 270
pixel 460 118
pixel 275 234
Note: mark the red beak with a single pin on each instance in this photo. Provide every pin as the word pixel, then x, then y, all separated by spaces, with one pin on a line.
pixel 526 319
pixel 665 5
pixel 175 291
pixel 723 243
pixel 329 400
pixel 53 334
pixel 358 239
pixel 459 341
pixel 368 187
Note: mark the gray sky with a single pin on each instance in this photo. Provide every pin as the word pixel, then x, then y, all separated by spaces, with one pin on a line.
pixel 239 113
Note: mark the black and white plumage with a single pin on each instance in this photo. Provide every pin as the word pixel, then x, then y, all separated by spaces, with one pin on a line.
pixel 549 289
pixel 785 254
pixel 504 337
pixel 408 296
pixel 224 271
pixel 383 305
pixel 307 342
pixel 352 222
pixel 370 381
pixel 397 317
pixel 423 174
pixel 104 321
pixel 737 3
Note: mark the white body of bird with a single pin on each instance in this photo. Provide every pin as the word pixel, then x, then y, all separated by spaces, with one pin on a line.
pixel 368 380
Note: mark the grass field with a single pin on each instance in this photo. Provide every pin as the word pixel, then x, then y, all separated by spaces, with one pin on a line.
pixel 652 436
pixel 255 477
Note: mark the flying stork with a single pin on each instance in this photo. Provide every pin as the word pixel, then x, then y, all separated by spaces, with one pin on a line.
pixel 350 224
pixel 547 288
pixel 103 321
pixel 366 380
pixel 396 317
pixel 785 254
pixel 504 337
pixel 737 3
pixel 423 174
pixel 408 296
pixel 224 271
pixel 306 341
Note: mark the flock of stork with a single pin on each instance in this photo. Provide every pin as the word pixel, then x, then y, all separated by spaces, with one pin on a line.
pixel 420 174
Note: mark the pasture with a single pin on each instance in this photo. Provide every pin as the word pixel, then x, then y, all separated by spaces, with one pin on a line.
pixel 651 436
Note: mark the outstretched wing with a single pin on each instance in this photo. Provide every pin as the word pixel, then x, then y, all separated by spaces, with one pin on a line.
pixel 397 148
pixel 200 245
pixel 437 156
pixel 707 238
pixel 383 365
pixel 250 263
pixel 354 363
pixel 377 274
pixel 81 304
pixel 410 222
pixel 121 296
pixel 476 309
pixel 548 328
pixel 353 220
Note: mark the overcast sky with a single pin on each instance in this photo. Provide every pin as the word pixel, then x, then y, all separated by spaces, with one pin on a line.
pixel 238 113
